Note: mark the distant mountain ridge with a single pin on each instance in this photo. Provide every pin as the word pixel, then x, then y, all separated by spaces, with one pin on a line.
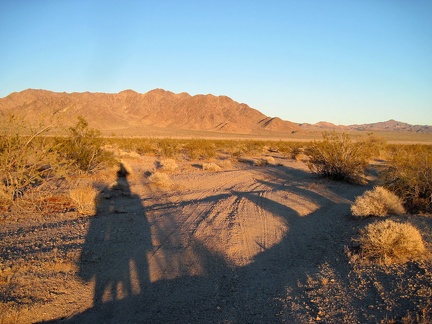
pixel 166 110
pixel 158 108
pixel 386 126
pixel 393 126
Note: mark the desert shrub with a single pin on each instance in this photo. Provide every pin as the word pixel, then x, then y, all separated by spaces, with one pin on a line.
pixel 225 164
pixel 168 165
pixel 83 147
pixel 84 199
pixel 377 202
pixel 266 160
pixel 290 149
pixel 391 242
pixel 144 146
pixel 373 145
pixel 200 148
pixel 338 157
pixel 409 175
pixel 160 179
pixel 253 147
pixel 211 167
pixel 167 147
pixel 26 161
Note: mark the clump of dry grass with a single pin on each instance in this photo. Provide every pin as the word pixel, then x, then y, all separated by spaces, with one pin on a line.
pixel 266 160
pixel 160 179
pixel 391 242
pixel 210 166
pixel 377 202
pixel 85 199
pixel 168 165
pixel 225 164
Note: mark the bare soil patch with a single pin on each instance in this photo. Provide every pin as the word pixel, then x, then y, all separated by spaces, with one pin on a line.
pixel 247 244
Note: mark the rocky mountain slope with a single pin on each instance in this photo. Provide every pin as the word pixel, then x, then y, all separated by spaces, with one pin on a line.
pixel 161 109
pixel 158 108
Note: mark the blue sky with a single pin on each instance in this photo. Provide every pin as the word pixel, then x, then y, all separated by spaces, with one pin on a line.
pixel 344 62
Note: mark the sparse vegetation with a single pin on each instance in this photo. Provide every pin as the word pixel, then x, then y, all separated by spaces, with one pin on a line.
pixel 391 242
pixel 212 208
pixel 377 202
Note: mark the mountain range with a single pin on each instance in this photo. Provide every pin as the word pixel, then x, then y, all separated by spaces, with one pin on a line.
pixel 161 109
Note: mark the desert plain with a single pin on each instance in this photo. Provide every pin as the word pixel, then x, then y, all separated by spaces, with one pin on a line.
pixel 259 239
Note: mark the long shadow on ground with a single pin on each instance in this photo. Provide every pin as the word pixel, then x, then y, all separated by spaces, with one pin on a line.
pixel 118 244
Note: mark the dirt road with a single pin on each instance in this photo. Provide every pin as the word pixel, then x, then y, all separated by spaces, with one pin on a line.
pixel 248 244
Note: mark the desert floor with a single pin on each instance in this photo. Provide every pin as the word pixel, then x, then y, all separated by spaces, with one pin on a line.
pixel 247 244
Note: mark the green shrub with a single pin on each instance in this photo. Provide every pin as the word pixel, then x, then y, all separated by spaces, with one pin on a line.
pixel 409 175
pixel 83 147
pixel 377 202
pixel 391 242
pixel 338 157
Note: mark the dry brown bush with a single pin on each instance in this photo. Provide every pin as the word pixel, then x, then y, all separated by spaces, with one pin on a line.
pixel 85 199
pixel 160 179
pixel 377 202
pixel 391 242
pixel 168 165
pixel 210 166
pixel 266 160
pixel 225 164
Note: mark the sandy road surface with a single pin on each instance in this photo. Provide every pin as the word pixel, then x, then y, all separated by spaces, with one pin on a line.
pixel 248 244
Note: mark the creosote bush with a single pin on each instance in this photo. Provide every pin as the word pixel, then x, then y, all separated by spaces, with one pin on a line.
pixel 26 158
pixel 391 242
pixel 83 147
pixel 200 148
pixel 409 175
pixel 377 202
pixel 338 157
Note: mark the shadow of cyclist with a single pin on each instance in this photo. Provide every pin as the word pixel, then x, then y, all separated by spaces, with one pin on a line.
pixel 115 251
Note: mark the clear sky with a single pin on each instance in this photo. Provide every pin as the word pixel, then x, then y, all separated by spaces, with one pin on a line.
pixel 346 62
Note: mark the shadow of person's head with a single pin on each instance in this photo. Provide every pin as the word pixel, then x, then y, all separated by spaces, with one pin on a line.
pixel 123 171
